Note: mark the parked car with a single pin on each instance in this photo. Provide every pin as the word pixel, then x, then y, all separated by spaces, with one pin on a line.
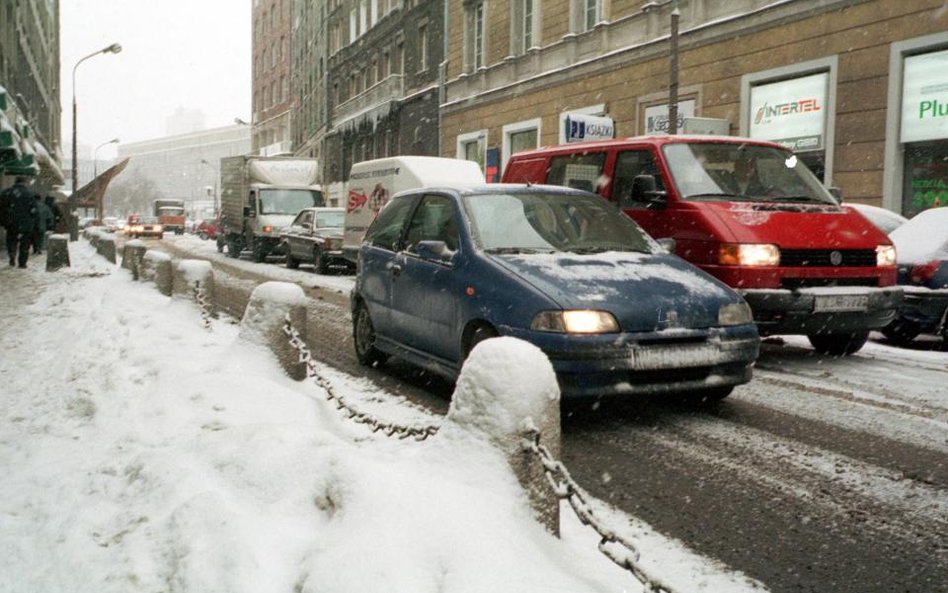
pixel 922 248
pixel 884 219
pixel 315 236
pixel 443 269
pixel 143 226
pixel 207 229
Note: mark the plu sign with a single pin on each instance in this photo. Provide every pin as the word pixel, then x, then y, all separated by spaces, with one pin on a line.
pixel 925 97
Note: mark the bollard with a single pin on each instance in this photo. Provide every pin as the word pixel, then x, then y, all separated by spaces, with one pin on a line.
pixel 106 247
pixel 156 266
pixel 265 317
pixel 132 257
pixel 191 273
pixel 57 252
pixel 506 386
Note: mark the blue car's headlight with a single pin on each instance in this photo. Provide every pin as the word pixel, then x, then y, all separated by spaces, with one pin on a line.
pixel 735 314
pixel 575 322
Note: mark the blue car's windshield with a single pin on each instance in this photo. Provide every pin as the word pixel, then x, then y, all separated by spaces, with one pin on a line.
pixel 543 222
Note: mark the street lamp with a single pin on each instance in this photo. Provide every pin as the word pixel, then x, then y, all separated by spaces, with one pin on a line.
pixel 673 73
pixel 99 206
pixel 95 156
pixel 73 229
pixel 216 176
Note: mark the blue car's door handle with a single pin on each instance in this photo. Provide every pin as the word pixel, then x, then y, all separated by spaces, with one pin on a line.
pixel 396 269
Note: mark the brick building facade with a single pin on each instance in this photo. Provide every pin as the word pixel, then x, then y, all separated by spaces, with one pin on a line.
pixel 860 88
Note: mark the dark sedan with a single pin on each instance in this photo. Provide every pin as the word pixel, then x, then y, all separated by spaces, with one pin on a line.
pixel 922 251
pixel 442 269
pixel 315 236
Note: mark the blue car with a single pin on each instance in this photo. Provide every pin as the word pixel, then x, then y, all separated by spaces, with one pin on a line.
pixel 921 246
pixel 440 270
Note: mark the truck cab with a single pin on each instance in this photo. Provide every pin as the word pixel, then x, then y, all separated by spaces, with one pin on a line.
pixel 749 213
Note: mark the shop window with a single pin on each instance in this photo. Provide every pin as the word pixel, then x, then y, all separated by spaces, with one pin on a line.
pixel 925 182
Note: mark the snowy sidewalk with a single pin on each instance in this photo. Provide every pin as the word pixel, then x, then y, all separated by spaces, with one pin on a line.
pixel 142 452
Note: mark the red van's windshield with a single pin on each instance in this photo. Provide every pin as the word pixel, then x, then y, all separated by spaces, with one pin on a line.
pixel 742 172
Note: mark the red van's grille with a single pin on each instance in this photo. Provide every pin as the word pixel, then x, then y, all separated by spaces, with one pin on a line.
pixel 828 258
pixel 797 283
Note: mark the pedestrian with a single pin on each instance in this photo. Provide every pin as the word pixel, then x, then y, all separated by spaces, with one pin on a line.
pixel 44 222
pixel 21 219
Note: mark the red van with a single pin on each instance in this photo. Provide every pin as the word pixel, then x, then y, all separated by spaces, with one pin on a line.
pixel 749 213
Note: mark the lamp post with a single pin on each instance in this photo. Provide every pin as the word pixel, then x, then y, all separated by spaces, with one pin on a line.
pixel 673 73
pixel 99 206
pixel 73 228
pixel 95 156
pixel 216 176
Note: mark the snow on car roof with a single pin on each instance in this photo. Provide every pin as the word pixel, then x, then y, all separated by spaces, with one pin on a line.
pixel 923 238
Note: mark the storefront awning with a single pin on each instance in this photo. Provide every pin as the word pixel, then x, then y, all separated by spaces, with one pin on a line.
pixel 9 139
pixel 90 195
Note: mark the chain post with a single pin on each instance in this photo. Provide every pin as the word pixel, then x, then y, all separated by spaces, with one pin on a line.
pixel 419 433
pixel 565 488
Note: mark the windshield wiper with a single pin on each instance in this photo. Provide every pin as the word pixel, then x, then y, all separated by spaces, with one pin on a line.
pixel 604 249
pixel 800 198
pixel 515 250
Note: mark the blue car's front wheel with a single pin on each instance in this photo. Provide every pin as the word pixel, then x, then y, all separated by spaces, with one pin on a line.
pixel 363 337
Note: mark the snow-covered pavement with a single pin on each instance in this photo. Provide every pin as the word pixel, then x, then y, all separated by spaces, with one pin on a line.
pixel 143 452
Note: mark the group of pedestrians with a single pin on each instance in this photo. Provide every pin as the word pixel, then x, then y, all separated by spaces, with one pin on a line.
pixel 26 217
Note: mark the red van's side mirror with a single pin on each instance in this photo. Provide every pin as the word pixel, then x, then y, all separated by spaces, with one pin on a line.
pixel 645 192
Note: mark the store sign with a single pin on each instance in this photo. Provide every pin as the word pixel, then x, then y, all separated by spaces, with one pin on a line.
pixel 925 97
pixel 580 127
pixel 791 112
pixel 656 117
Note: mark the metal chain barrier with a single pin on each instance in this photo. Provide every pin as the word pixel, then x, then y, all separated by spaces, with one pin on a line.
pixel 419 433
pixel 200 296
pixel 618 549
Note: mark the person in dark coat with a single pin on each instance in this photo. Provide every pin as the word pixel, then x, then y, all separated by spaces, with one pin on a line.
pixel 20 207
pixel 44 222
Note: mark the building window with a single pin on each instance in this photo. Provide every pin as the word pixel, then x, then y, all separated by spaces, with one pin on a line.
pixel 592 14
pixel 398 63
pixel 527 24
pixel 524 135
pixel 474 36
pixel 422 48
pixel 473 147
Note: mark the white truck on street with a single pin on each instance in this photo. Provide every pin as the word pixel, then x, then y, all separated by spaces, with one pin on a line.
pixel 260 196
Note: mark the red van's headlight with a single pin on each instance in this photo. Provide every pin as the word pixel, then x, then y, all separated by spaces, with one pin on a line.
pixel 885 255
pixel 748 254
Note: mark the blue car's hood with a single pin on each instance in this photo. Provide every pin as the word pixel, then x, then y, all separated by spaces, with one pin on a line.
pixel 644 292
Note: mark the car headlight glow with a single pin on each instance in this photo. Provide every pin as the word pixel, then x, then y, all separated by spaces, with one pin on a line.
pixel 885 255
pixel 735 314
pixel 582 321
pixel 749 254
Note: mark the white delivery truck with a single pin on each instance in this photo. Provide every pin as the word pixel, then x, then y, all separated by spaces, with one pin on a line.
pixel 373 183
pixel 262 195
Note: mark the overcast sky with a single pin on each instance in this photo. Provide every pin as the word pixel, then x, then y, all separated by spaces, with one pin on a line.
pixel 191 54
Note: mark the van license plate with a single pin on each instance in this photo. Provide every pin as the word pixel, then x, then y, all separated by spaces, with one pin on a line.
pixel 840 302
